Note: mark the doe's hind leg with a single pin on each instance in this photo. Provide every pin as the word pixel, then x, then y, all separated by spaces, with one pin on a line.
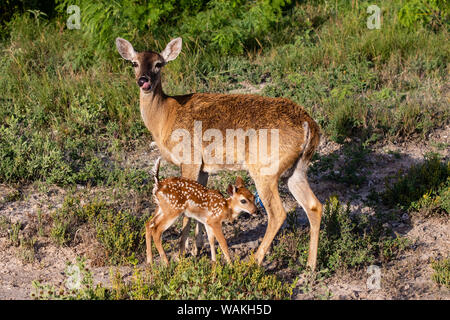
pixel 299 187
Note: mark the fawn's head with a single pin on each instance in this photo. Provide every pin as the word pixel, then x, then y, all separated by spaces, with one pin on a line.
pixel 241 199
pixel 147 64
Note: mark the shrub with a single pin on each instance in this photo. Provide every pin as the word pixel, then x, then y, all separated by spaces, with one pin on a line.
pixel 119 232
pixel 187 279
pixel 70 119
pixel 441 273
pixel 66 220
pixel 424 185
pixel 346 241
pixel 220 26
pixel 428 13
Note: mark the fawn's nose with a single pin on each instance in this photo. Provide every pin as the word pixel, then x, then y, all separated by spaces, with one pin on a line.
pixel 142 80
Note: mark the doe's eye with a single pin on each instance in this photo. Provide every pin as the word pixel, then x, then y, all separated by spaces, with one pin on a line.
pixel 243 201
pixel 135 64
pixel 158 65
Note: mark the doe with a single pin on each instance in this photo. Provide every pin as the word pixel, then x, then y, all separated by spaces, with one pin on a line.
pixel 298 133
pixel 175 196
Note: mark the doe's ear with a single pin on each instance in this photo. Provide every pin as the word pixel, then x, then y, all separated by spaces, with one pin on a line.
pixel 125 49
pixel 231 190
pixel 172 49
pixel 239 182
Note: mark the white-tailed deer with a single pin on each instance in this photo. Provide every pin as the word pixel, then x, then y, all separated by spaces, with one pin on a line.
pixel 298 137
pixel 175 196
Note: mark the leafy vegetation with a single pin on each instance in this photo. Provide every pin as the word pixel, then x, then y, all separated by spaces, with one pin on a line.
pixel 346 241
pixel 428 13
pixel 441 273
pixel 78 115
pixel 119 232
pixel 424 187
pixel 186 279
pixel 350 172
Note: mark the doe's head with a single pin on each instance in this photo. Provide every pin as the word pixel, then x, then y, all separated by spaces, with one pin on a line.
pixel 147 64
pixel 241 198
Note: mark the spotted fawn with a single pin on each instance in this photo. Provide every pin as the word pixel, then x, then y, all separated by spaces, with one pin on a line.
pixel 175 196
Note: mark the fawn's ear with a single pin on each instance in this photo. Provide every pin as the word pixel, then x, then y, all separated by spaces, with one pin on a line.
pixel 125 49
pixel 231 190
pixel 239 182
pixel 172 49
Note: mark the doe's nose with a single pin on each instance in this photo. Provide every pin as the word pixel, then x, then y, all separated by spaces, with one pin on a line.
pixel 142 80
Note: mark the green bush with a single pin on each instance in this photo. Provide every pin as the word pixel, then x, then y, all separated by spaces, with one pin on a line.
pixel 346 241
pixel 441 273
pixel 66 221
pixel 119 232
pixel 423 186
pixel 68 120
pixel 121 235
pixel 428 13
pixel 221 26
pixel 191 278
pixel 71 289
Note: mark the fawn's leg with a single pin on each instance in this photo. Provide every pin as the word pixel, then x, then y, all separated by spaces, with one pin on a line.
pixel 217 231
pixel 192 171
pixel 157 235
pixel 148 235
pixel 161 224
pixel 211 240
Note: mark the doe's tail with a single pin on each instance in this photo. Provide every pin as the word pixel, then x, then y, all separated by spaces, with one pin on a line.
pixel 312 140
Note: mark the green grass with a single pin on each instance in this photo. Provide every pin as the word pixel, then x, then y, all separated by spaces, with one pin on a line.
pixel 347 241
pixel 69 111
pixel 441 273
pixel 424 187
pixel 187 279
pixel 119 232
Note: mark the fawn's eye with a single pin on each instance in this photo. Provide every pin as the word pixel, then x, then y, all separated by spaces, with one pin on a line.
pixel 134 64
pixel 243 201
pixel 158 65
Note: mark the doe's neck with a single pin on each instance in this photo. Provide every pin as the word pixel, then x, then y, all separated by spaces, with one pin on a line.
pixel 154 110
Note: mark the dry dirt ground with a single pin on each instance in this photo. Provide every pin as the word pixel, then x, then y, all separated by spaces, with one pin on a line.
pixel 407 277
